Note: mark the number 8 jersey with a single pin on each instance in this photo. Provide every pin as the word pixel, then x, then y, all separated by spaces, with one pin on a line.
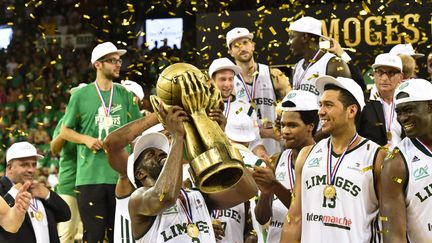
pixel 350 216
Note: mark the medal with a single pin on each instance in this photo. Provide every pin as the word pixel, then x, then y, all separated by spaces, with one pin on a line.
pixel 192 230
pixel 329 191
pixel 389 136
pixel 251 95
pixel 108 121
pixel 39 215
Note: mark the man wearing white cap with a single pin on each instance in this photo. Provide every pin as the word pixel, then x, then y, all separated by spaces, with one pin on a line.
pixel 406 183
pixel 136 89
pixel 222 71
pixel 255 86
pixel 46 207
pixel 93 111
pixel 378 119
pixel 406 49
pixel 337 180
pixel 67 153
pixel 299 123
pixel 304 39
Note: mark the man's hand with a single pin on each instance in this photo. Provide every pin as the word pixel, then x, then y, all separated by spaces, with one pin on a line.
pixel 218 229
pixel 93 143
pixel 270 133
pixel 38 190
pixel 265 178
pixel 218 116
pixel 23 198
pixel 174 118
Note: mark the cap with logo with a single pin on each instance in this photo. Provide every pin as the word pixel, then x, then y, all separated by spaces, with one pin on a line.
pixel 222 64
pixel 104 49
pixel 133 87
pixel 307 25
pixel 389 60
pixel 345 83
pixel 22 150
pixel 299 100
pixel 149 140
pixel 240 128
pixel 406 49
pixel 237 33
pixel 416 89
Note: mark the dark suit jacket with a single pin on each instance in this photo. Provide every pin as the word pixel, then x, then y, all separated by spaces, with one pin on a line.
pixel 372 122
pixel 56 209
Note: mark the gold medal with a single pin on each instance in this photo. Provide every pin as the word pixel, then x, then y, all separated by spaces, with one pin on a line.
pixel 329 192
pixel 39 215
pixel 389 136
pixel 192 230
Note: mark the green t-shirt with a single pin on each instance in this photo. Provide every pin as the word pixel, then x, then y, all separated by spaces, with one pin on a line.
pixel 67 165
pixel 85 114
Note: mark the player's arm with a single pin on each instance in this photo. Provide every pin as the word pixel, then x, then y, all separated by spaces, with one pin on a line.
pixel 291 230
pixel 57 144
pixel 336 67
pixel 78 138
pixel 249 232
pixel 281 83
pixel 392 202
pixel 154 200
pixel 116 142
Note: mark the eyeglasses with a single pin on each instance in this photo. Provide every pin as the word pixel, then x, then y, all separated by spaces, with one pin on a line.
pixel 390 74
pixel 112 61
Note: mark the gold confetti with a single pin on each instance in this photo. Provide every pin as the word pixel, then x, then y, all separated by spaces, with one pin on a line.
pixel 272 30
pixel 383 218
pixel 99 217
pixel 367 169
pixel 161 197
pixel 397 179
pixel 86 16
pixel 239 110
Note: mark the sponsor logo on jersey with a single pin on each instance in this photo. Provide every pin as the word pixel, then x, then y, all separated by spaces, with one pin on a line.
pixel 319 151
pixel 171 210
pixel 280 176
pixel 176 230
pixel 420 173
pixel 330 221
pixel 314 162
pixel 344 184
pixel 415 159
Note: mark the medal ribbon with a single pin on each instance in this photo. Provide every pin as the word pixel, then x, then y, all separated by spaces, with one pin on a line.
pixel 34 205
pixel 331 174
pixel 251 96
pixel 424 145
pixel 391 115
pixel 185 204
pixel 228 106
pixel 107 110
pixel 291 174
pixel 299 81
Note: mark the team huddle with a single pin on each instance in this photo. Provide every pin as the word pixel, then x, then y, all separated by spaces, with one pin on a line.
pixel 330 162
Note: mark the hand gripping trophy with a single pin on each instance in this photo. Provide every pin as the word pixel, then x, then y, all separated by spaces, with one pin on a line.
pixel 216 167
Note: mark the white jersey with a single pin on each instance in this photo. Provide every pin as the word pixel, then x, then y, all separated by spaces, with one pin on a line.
pixel 170 226
pixel 279 210
pixel 236 106
pixel 308 79
pixel 233 223
pixel 122 222
pixel 265 99
pixel 350 217
pixel 418 191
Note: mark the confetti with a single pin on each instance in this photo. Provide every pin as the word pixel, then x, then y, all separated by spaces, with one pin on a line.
pixel 397 179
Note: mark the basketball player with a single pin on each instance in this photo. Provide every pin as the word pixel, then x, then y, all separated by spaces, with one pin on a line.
pixel 336 187
pixel 299 122
pixel 406 203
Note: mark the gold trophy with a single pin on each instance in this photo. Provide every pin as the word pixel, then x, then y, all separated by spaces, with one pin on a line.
pixel 216 167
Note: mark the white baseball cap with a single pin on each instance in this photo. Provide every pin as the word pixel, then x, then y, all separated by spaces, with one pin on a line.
pixel 105 49
pixel 417 90
pixel 307 24
pixel 236 33
pixel 240 128
pixel 21 150
pixel 345 83
pixel 221 64
pixel 133 87
pixel 73 89
pixel 388 59
pixel 299 100
pixel 406 49
pixel 149 140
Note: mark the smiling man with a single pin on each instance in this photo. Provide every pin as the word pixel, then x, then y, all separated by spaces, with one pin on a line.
pixel 336 187
pixel 406 203
pixel 92 113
